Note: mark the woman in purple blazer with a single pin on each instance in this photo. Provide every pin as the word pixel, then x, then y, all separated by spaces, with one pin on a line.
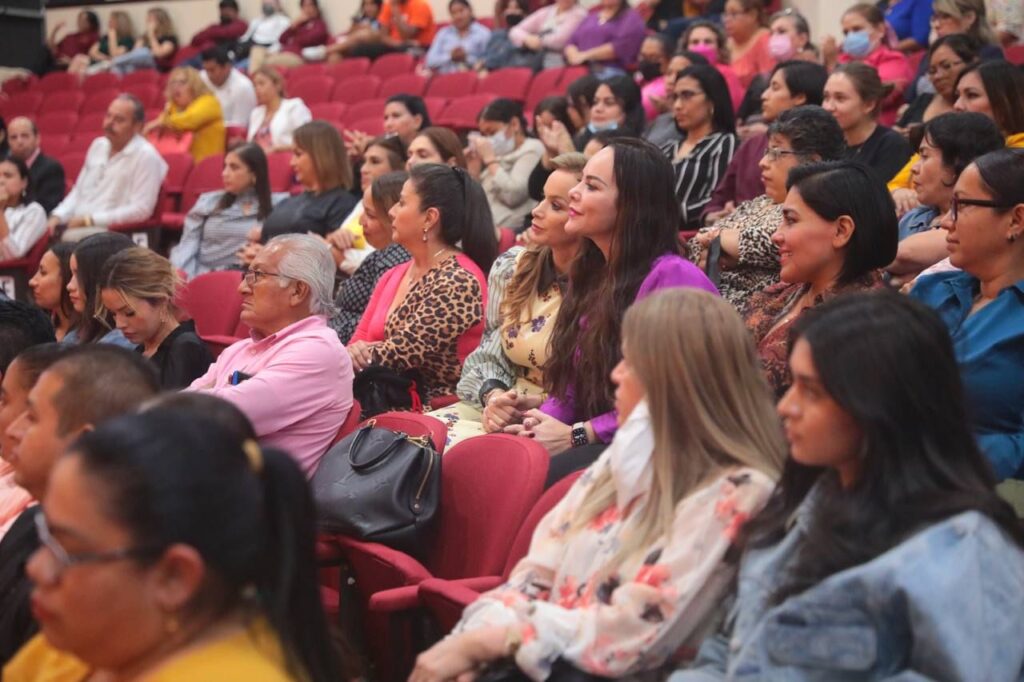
pixel 608 39
pixel 625 209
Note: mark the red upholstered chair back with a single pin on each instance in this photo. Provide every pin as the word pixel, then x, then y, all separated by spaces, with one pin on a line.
pixel 350 424
pixel 415 424
pixel 205 176
pixel 488 485
pixel 213 302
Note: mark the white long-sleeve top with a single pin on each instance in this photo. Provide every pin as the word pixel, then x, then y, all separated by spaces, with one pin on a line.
pixel 27 225
pixel 117 188
pixel 292 113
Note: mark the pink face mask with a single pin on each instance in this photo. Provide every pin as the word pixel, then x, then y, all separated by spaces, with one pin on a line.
pixel 781 47
pixel 709 52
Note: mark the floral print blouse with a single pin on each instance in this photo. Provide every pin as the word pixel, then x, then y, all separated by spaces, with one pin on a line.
pixel 654 608
pixel 511 354
pixel 758 264
pixel 767 307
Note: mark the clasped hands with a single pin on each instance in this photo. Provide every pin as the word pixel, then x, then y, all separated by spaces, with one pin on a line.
pixel 518 414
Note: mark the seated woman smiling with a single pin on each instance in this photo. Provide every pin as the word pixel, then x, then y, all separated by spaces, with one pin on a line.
pixel 524 293
pixel 627 570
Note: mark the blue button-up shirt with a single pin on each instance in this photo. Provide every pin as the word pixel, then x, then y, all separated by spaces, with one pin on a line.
pixel 439 56
pixel 989 346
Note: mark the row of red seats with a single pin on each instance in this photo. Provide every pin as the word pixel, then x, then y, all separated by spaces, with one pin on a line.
pixel 492 500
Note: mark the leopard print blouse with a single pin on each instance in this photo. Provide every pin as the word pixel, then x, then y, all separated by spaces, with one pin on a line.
pixel 423 332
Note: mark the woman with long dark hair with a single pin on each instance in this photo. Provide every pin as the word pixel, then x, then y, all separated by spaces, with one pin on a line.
pixel 22 219
pixel 426 315
pixel 217 226
pixel 170 550
pixel 95 324
pixel 50 288
pixel 625 210
pixel 885 549
pixel 980 303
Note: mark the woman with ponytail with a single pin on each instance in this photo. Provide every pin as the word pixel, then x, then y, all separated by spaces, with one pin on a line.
pixel 171 551
pixel 426 315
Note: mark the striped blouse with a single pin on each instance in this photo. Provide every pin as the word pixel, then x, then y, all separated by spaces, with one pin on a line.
pixel 698 173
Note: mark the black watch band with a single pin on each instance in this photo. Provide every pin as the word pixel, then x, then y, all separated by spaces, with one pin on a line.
pixel 488 386
pixel 579 435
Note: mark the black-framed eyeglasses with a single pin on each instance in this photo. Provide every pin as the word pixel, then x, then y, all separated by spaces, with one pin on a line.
pixel 64 560
pixel 773 154
pixel 687 95
pixel 252 277
pixel 958 202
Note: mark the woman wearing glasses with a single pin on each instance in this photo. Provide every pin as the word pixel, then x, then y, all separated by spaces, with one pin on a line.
pixel 191 108
pixel 703 112
pixel 748 260
pixel 982 302
pixel 132 583
pixel 947 58
pixel 949 143
pixel 138 291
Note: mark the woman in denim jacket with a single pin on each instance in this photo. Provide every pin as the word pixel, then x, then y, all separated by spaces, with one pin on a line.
pixel 884 553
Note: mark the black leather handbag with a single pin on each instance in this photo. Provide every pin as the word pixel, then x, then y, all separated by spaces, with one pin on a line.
pixel 380 486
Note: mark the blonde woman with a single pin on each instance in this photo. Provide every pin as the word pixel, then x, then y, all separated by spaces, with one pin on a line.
pixel 273 122
pixel 626 573
pixel 191 108
pixel 153 50
pixel 524 293
pixel 137 290
pixel 118 40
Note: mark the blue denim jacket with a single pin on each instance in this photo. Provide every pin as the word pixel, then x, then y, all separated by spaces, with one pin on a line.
pixel 945 604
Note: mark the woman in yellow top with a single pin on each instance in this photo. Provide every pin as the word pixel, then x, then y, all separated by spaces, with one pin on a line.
pixel 171 550
pixel 191 108
pixel 994 88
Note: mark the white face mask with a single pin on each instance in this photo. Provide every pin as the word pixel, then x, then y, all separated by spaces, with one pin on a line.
pixel 502 142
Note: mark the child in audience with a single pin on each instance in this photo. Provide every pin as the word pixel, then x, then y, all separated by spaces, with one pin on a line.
pixel 626 573
pixel 885 551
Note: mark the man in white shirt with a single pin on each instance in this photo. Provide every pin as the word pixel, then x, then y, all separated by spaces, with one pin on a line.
pixel 232 88
pixel 266 29
pixel 120 180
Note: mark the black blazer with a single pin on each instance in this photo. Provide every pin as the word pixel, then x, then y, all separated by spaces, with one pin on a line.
pixel 47 177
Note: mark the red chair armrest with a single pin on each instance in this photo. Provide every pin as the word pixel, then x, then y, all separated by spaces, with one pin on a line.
pixel 173 221
pixel 398 599
pixel 133 226
pixel 443 401
pixel 382 566
pixel 481 583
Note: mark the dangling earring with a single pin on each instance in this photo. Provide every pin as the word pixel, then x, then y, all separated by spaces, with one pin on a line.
pixel 425 230
pixel 171 624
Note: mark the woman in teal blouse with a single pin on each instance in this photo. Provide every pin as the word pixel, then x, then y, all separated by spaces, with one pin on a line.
pixel 982 304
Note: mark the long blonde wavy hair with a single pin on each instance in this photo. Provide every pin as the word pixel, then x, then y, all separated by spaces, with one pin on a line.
pixel 711 409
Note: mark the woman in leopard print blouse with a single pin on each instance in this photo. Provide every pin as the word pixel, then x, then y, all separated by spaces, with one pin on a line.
pixel 426 314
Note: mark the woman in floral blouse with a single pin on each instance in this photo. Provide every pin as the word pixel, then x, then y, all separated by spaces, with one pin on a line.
pixel 838 228
pixel 749 261
pixel 524 293
pixel 625 574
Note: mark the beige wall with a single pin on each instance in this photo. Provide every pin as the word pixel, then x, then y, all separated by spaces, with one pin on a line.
pixel 191 16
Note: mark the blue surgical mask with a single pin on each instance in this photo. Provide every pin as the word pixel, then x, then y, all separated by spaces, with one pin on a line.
pixel 857 44
pixel 598 127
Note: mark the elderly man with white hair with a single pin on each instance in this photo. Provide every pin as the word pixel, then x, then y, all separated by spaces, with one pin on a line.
pixel 292 378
